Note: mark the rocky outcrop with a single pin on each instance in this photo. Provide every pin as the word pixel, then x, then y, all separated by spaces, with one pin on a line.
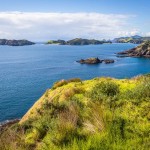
pixel 15 42
pixel 95 61
pixel 142 50
pixel 90 61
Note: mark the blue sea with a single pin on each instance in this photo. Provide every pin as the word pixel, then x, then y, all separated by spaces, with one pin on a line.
pixel 26 72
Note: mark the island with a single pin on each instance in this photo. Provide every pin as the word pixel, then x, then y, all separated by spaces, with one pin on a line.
pixel 98 114
pixel 15 42
pixel 95 61
pixel 79 41
pixel 143 50
pixel 136 39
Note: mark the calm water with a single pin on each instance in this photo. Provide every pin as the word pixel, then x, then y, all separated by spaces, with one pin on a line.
pixel 26 72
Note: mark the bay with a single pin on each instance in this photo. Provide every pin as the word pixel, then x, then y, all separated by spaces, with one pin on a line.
pixel 26 72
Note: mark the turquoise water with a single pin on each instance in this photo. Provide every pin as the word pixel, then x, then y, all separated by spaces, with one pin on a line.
pixel 26 72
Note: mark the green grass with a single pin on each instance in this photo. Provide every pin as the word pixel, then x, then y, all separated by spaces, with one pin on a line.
pixel 98 114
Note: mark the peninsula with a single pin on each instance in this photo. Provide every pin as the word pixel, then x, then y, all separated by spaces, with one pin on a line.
pixel 142 50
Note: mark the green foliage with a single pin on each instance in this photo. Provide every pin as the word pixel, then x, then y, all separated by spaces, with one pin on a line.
pixel 100 114
pixel 140 92
pixel 143 90
pixel 107 88
pixel 104 91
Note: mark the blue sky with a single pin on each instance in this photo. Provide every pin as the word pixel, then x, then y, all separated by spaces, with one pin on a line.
pixel 70 18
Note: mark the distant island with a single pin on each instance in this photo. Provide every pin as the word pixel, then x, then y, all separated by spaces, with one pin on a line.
pixel 78 41
pixel 136 39
pixel 15 42
pixel 143 50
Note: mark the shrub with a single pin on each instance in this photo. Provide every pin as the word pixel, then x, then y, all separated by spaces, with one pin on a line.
pixel 59 84
pixel 104 89
pixel 72 91
pixel 74 80
pixel 142 90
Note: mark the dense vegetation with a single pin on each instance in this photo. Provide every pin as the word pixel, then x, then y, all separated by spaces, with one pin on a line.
pixel 98 114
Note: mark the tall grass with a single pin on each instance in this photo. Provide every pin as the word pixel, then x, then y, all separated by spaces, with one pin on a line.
pixel 104 117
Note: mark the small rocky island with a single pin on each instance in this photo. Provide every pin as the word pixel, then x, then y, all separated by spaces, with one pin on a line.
pixel 143 50
pixel 78 41
pixel 15 42
pixel 95 61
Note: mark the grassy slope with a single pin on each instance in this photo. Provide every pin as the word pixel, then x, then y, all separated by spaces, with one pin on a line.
pixel 102 113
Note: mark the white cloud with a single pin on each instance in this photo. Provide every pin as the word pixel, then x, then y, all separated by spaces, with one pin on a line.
pixel 147 34
pixel 131 32
pixel 44 26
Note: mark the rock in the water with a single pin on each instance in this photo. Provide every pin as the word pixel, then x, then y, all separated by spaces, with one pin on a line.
pixel 90 61
pixel 95 61
pixel 108 61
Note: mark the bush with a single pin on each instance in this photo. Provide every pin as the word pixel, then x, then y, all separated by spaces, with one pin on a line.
pixel 59 84
pixel 140 92
pixel 104 89
pixel 72 91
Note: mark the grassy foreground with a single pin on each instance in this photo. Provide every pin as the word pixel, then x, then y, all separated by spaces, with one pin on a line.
pixel 97 114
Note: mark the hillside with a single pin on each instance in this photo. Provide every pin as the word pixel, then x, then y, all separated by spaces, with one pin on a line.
pixel 133 39
pixel 102 113
pixel 142 50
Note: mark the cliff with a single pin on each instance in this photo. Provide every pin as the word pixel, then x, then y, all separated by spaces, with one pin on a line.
pixel 102 113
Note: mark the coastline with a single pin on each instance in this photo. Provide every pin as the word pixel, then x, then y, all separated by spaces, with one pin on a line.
pixel 8 123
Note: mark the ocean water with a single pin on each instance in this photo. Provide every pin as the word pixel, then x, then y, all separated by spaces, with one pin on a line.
pixel 26 72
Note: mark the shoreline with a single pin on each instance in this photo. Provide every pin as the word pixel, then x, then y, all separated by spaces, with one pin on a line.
pixel 7 123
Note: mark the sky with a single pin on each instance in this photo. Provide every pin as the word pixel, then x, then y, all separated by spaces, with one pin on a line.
pixel 39 20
